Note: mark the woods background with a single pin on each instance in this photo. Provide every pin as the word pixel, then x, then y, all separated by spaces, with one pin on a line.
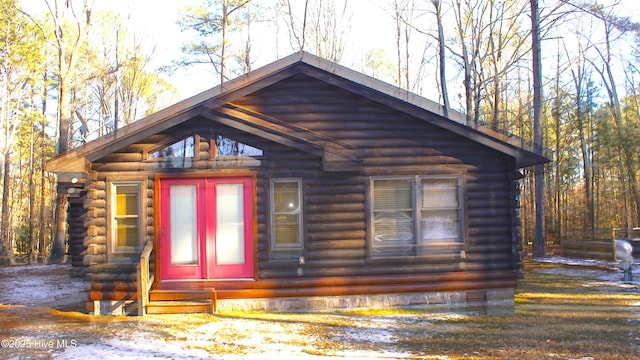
pixel 74 70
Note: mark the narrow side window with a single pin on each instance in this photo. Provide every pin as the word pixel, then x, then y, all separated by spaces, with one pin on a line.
pixel 286 217
pixel 125 216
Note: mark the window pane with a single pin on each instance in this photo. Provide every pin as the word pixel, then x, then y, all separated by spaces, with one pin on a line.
pixel 285 197
pixel 440 226
pixel 392 194
pixel 393 217
pixel 440 222
pixel 393 228
pixel 229 147
pixel 229 224
pixel 127 200
pixel 184 148
pixel 127 232
pixel 287 230
pixel 184 234
pixel 439 193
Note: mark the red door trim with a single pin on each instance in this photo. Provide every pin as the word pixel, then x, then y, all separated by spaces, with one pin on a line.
pixel 206 222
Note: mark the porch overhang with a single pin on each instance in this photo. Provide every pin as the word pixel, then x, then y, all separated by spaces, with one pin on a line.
pixel 69 169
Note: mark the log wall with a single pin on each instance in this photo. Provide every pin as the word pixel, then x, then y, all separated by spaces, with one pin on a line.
pixel 393 144
pixel 336 245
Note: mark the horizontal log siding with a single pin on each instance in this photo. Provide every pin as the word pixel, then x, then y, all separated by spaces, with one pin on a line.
pixel 393 144
pixel 94 204
pixel 335 203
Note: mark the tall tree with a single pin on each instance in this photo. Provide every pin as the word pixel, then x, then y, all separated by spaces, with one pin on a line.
pixel 442 58
pixel 212 22
pixel 68 41
pixel 329 22
pixel 20 64
pixel 580 76
pixel 117 82
pixel 611 25
pixel 321 28
pixel 297 32
pixel 469 17
pixel 539 239
pixel 402 17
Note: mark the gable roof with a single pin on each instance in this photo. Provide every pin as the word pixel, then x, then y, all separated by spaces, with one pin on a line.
pixel 216 104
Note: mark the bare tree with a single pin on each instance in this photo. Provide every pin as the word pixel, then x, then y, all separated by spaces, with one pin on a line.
pixel 442 58
pixel 68 42
pixel 469 41
pixel 580 76
pixel 322 27
pixel 539 239
pixel 402 11
pixel 212 23
pixel 297 32
pixel 20 61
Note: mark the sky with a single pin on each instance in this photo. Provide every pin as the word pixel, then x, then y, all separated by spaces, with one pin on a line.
pixel 371 27
pixel 157 20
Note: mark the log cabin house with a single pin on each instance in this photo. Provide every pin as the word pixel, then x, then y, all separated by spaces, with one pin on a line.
pixel 301 185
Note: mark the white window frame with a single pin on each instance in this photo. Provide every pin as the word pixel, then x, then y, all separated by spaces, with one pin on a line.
pixel 288 249
pixel 115 249
pixel 418 246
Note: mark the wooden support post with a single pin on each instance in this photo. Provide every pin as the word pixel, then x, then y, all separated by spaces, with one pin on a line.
pixel 214 300
pixel 144 279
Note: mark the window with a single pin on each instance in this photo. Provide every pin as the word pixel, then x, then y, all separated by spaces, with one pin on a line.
pixel 182 149
pixel 179 154
pixel 230 147
pixel 125 210
pixel 393 216
pixel 416 215
pixel 286 216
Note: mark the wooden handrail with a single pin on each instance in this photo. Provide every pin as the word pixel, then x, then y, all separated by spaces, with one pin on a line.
pixel 145 278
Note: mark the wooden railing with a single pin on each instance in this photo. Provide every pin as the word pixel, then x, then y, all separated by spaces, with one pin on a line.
pixel 145 278
pixel 598 243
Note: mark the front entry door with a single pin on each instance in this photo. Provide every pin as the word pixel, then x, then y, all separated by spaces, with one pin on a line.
pixel 206 228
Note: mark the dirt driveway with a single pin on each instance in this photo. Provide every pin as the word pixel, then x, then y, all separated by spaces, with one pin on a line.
pixel 562 311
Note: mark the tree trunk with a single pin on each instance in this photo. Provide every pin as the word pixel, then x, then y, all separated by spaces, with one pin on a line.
pixel 437 4
pixel 628 155
pixel 67 57
pixel 6 252
pixel 32 191
pixel 466 66
pixel 539 240
pixel 41 239
pixel 223 50
pixel 58 247
pixel 57 255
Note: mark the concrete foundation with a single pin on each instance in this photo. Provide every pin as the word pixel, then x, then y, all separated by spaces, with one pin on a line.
pixel 329 303
pixel 112 307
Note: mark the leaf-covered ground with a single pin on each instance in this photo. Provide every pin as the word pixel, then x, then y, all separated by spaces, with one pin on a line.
pixel 560 312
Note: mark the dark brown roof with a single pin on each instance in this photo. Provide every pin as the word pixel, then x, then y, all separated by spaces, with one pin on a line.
pixel 218 100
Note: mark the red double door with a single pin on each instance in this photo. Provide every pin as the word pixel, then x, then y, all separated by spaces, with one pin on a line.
pixel 206 228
